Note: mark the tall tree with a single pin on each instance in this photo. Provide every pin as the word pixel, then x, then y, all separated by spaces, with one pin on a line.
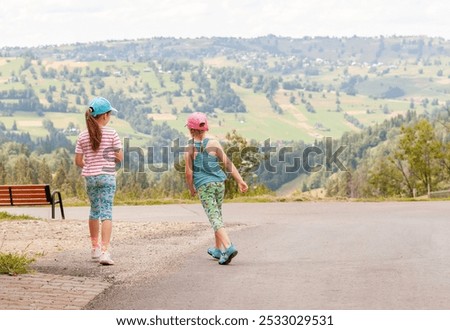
pixel 245 156
pixel 422 151
pixel 45 174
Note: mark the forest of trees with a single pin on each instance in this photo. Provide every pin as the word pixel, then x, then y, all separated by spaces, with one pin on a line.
pixel 20 165
pixel 407 156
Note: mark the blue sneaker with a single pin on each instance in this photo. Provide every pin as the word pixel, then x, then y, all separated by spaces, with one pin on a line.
pixel 215 253
pixel 229 254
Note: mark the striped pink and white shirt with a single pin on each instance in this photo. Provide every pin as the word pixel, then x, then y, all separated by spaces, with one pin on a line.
pixel 102 161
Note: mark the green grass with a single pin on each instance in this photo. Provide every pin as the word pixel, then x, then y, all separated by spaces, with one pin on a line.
pixel 154 201
pixel 5 216
pixel 120 201
pixel 15 263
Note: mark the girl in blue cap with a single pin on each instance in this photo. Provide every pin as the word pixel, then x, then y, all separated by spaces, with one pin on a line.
pixel 205 177
pixel 97 151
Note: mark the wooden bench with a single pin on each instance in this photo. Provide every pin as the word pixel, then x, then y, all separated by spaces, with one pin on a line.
pixel 30 194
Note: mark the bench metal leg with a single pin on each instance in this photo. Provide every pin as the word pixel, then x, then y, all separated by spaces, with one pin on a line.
pixel 59 201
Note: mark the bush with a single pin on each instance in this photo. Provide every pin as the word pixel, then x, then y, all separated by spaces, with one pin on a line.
pixel 14 263
pixel 8 216
pixel 393 92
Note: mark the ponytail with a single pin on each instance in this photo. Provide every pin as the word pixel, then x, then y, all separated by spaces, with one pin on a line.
pixel 94 129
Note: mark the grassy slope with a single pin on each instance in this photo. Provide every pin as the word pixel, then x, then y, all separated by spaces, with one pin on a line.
pixel 260 122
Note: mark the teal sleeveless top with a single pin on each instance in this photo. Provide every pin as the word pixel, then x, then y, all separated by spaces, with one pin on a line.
pixel 206 166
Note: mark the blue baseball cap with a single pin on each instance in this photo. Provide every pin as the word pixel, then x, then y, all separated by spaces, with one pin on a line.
pixel 100 105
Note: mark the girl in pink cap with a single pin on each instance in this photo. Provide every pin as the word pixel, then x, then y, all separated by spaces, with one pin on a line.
pixel 205 177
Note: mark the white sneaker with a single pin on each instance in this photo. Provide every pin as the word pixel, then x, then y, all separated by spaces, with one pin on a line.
pixel 105 258
pixel 96 252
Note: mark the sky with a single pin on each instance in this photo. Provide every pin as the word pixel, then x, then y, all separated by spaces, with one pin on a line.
pixel 27 23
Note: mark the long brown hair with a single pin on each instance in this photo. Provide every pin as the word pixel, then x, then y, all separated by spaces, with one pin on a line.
pixel 94 129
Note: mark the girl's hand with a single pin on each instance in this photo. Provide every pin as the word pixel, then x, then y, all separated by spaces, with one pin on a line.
pixel 243 187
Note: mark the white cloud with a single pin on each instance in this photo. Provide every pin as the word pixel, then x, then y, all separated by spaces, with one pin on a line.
pixel 34 22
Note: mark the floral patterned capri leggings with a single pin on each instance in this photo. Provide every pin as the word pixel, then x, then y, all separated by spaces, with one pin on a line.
pixel 211 196
pixel 101 190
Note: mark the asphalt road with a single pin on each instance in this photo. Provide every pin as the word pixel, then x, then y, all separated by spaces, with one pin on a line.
pixel 306 255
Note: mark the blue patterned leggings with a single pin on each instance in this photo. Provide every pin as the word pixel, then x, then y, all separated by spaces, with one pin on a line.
pixel 101 190
pixel 211 196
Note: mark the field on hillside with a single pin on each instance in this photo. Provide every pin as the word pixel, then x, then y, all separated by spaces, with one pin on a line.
pixel 307 114
pixel 33 124
pixel 296 123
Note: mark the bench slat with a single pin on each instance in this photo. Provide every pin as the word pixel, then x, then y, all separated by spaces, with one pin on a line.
pixel 28 186
pixel 23 190
pixel 29 198
pixel 22 203
pixel 34 194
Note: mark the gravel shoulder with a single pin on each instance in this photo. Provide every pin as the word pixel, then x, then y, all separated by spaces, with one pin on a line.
pixel 141 250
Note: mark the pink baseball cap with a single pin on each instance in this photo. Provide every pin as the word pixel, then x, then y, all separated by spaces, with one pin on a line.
pixel 197 120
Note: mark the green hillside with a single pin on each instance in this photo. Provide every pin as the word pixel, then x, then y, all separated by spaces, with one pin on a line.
pixel 34 124
pixel 278 88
